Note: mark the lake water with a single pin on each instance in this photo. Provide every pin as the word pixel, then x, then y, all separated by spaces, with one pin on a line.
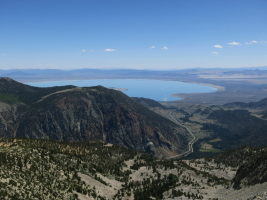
pixel 159 90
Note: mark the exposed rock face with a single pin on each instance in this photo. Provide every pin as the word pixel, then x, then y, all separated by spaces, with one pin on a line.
pixel 85 114
pixel 253 170
pixel 251 164
pixel 7 120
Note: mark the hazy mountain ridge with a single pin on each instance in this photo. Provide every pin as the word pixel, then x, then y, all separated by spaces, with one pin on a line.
pixel 236 128
pixel 262 104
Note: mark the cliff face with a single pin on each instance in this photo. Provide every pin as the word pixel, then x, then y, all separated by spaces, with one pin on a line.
pixel 86 114
pixel 253 169
pixel 8 120
pixel 251 164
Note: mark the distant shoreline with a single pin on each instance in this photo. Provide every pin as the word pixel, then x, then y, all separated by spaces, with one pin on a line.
pixel 178 96
pixel 182 96
pixel 217 87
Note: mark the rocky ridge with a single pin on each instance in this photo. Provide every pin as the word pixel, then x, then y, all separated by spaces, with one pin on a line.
pixel 86 114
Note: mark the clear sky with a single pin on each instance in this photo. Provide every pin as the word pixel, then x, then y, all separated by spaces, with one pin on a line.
pixel 141 34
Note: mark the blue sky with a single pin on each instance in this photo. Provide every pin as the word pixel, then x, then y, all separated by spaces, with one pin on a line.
pixel 139 34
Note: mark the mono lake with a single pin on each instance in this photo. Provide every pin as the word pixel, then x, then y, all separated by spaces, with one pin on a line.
pixel 160 90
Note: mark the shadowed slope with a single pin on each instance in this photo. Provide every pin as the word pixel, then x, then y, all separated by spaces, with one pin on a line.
pixel 85 114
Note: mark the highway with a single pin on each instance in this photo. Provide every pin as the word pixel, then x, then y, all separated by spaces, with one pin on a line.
pixel 190 143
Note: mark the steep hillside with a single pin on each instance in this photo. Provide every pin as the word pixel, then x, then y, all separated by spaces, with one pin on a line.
pixel 218 127
pixel 148 102
pixel 258 107
pixel 262 104
pixel 236 128
pixel 251 164
pixel 14 92
pixel 42 169
pixel 87 114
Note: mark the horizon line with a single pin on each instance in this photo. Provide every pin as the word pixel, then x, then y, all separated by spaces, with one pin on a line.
pixel 135 69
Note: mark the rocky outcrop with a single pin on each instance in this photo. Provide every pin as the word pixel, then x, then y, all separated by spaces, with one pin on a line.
pixel 251 164
pixel 253 170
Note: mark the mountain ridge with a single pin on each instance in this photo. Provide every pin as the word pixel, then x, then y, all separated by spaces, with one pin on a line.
pixel 91 113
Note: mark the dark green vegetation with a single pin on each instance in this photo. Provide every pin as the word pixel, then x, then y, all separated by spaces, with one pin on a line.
pixel 86 114
pixel 15 92
pixel 237 127
pixel 9 98
pixel 220 127
pixel 148 102
pixel 251 163
pixel 237 124
pixel 41 169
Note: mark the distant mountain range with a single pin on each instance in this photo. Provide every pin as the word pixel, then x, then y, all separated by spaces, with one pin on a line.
pixel 79 74
pixel 87 73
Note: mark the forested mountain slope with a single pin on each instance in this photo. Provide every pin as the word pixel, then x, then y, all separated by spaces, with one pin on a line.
pixel 43 169
pixel 86 114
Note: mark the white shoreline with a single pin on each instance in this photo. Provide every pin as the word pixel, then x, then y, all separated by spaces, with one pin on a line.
pixel 217 87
